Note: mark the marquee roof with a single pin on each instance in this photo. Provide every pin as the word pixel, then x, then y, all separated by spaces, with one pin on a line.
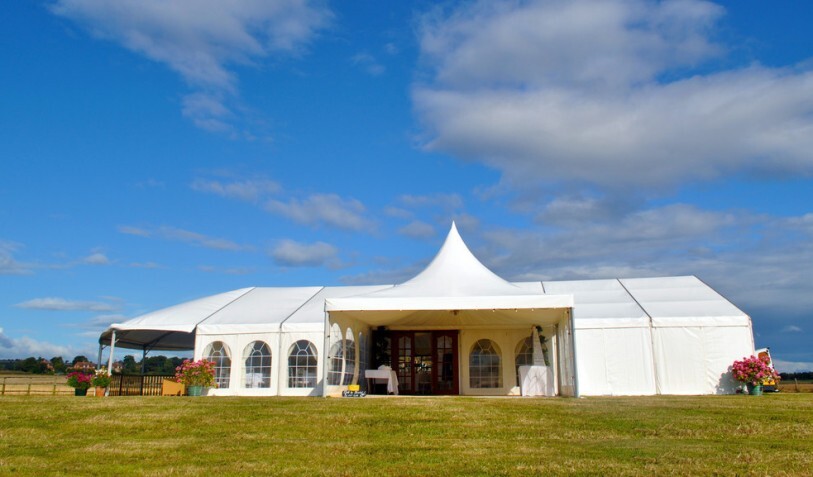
pixel 455 290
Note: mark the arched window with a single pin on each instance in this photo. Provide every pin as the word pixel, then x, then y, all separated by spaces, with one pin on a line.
pixel 302 365
pixel 484 365
pixel 335 357
pixel 257 370
pixel 349 358
pixel 219 353
pixel 524 354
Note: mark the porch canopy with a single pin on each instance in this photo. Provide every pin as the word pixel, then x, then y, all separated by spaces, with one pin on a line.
pixel 455 291
pixel 172 328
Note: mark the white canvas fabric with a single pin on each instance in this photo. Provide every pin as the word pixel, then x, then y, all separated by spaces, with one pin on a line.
pixel 260 310
pixel 454 290
pixel 667 335
pixel 613 338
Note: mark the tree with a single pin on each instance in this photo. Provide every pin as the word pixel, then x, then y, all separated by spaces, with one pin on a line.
pixel 129 365
pixel 79 359
pixel 59 364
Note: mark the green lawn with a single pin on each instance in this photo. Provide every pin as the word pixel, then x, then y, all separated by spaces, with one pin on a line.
pixel 720 435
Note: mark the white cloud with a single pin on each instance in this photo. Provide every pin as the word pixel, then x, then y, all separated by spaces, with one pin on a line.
pixel 202 40
pixel 8 264
pixel 330 209
pixel 186 236
pixel 248 190
pixel 61 304
pixel 417 229
pixel 129 230
pixel 442 201
pixel 791 329
pixel 368 63
pixel 792 366
pixel 548 91
pixel 295 254
pixel 147 265
pixel 96 258
pixel 25 346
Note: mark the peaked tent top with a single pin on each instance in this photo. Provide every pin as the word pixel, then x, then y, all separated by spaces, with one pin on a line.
pixel 454 280
pixel 454 272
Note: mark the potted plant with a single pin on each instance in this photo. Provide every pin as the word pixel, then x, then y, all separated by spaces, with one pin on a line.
pixel 101 380
pixel 753 371
pixel 80 382
pixel 196 375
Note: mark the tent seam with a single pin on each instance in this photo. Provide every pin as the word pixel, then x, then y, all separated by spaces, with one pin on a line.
pixel 222 307
pixel 300 306
pixel 651 335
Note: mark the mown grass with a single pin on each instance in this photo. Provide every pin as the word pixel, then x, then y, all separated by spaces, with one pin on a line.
pixel 666 435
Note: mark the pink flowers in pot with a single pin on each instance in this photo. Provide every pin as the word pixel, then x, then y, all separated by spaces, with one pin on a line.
pixel 196 373
pixel 753 370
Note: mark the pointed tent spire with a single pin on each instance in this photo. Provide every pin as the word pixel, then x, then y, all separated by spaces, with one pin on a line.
pixel 455 271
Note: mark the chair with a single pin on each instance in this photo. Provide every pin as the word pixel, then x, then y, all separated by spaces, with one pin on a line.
pixel 171 388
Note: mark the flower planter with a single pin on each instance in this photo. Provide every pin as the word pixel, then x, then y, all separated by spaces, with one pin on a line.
pixel 194 390
pixel 80 391
pixel 100 391
pixel 755 390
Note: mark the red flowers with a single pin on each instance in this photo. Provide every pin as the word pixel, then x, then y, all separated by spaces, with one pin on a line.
pixel 79 380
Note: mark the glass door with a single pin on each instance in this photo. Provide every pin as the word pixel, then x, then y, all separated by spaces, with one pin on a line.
pixel 445 378
pixel 426 362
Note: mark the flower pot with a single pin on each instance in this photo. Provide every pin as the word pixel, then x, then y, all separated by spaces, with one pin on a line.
pixel 755 390
pixel 80 391
pixel 194 390
pixel 100 391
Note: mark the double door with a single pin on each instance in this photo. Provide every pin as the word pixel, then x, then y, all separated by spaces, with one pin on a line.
pixel 426 362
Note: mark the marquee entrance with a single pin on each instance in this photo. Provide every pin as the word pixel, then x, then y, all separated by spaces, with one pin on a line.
pixel 426 362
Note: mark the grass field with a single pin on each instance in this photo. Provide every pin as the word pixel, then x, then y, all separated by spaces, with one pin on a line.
pixel 712 435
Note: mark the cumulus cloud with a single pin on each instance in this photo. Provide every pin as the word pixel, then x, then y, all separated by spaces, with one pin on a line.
pixel 417 229
pixel 248 190
pixel 290 253
pixel 187 236
pixel 61 304
pixel 202 40
pixel 368 63
pixel 606 93
pixel 441 201
pixel 9 265
pixel 329 209
pixel 96 258
pixel 25 346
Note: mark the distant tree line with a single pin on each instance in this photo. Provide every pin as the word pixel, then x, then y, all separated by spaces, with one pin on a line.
pixel 154 365
pixel 806 376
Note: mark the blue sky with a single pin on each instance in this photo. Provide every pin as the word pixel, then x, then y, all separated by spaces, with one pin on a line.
pixel 153 152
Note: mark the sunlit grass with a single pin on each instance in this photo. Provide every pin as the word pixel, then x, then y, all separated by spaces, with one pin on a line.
pixel 722 435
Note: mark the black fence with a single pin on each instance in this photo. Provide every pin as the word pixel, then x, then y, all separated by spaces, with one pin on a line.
pixel 137 385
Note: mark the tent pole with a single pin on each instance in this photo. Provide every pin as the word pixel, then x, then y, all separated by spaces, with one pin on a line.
pixel 112 349
pixel 143 360
pixel 280 362
pixel 573 350
pixel 324 353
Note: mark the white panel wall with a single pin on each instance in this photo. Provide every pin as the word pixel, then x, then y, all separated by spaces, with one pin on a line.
pixel 615 362
pixel 695 360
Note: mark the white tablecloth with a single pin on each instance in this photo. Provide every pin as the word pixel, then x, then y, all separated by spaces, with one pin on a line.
pixel 536 381
pixel 378 375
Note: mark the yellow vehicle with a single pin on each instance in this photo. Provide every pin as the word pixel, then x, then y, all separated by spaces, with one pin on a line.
pixel 769 385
